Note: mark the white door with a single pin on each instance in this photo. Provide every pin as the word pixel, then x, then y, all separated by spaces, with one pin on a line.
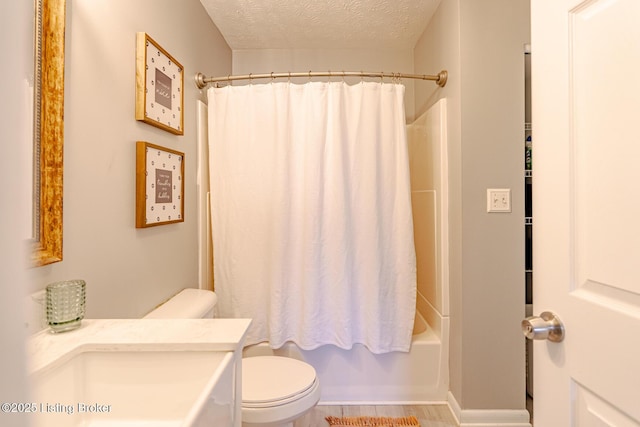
pixel 586 163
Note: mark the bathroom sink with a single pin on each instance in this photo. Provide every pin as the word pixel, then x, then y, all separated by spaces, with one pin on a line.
pixel 116 387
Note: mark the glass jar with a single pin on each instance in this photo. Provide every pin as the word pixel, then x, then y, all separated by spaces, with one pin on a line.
pixel 65 304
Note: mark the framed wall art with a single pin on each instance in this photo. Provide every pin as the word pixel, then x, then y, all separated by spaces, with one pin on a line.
pixel 159 86
pixel 159 185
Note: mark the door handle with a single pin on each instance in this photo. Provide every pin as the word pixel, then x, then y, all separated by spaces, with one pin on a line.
pixel 547 326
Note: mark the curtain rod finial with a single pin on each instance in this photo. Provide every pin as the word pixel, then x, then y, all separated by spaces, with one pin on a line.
pixel 442 78
pixel 199 78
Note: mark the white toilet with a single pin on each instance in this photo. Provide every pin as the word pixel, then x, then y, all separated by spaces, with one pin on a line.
pixel 275 390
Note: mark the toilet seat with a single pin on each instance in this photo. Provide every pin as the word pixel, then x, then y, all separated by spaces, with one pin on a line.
pixel 277 390
pixel 269 381
pixel 279 402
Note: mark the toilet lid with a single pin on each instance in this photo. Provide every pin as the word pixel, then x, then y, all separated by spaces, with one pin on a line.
pixel 270 379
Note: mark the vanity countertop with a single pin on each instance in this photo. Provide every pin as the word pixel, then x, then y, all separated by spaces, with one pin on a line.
pixel 46 349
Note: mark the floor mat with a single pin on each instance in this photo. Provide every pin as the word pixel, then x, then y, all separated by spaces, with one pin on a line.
pixel 372 421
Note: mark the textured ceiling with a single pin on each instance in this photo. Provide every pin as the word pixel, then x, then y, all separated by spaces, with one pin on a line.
pixel 308 24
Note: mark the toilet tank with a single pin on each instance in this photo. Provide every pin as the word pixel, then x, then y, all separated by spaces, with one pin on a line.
pixel 187 304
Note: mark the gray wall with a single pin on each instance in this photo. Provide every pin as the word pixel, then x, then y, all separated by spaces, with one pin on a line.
pixel 481 44
pixel 128 271
pixel 15 43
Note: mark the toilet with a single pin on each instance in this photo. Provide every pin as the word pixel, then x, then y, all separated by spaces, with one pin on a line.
pixel 275 390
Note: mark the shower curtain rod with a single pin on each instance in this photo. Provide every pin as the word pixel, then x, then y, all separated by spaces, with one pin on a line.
pixel 440 78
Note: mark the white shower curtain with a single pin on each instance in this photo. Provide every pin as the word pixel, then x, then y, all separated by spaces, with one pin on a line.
pixel 311 213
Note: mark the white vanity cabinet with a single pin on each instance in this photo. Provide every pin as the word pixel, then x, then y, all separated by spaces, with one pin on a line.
pixel 222 406
pixel 168 372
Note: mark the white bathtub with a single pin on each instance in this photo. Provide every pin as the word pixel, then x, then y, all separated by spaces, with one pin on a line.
pixel 360 377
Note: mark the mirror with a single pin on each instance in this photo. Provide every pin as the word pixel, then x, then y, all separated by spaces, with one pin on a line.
pixel 48 131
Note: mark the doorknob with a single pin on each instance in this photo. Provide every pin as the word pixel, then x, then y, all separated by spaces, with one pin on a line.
pixel 545 327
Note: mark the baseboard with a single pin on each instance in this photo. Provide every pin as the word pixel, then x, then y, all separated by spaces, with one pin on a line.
pixel 488 417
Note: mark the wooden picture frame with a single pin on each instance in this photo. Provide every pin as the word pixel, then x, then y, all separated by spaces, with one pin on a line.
pixel 159 86
pixel 48 131
pixel 159 185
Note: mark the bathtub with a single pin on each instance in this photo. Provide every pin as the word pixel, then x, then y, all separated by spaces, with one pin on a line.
pixel 360 377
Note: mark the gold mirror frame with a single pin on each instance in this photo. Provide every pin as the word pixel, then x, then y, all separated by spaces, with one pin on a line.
pixel 48 130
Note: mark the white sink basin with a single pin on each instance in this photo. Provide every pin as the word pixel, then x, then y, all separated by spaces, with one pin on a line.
pixel 136 388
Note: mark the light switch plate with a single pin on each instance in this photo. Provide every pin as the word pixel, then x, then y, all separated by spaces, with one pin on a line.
pixel 498 200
